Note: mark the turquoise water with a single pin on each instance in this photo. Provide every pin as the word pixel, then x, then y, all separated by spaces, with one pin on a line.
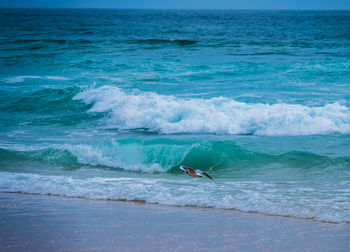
pixel 107 104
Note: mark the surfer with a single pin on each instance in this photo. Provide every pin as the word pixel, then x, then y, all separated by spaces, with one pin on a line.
pixel 194 173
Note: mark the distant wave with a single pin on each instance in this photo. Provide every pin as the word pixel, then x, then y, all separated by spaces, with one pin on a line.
pixel 168 114
pixel 21 78
pixel 54 41
pixel 43 43
pixel 181 42
pixel 57 102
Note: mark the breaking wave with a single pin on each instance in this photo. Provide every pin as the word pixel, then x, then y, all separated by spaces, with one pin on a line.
pixel 166 155
pixel 135 110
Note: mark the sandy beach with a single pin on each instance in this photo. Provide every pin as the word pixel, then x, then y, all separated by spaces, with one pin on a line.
pixel 51 223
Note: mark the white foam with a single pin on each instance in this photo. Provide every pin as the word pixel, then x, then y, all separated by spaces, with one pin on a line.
pixel 18 79
pixel 264 197
pixel 219 115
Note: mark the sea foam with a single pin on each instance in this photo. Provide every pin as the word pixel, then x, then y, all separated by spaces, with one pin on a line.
pixel 251 196
pixel 17 79
pixel 130 110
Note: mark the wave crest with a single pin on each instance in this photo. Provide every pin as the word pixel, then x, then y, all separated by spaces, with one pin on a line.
pixel 169 114
pixel 166 155
pixel 180 42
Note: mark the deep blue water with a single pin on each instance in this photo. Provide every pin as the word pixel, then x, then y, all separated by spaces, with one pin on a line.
pixel 108 104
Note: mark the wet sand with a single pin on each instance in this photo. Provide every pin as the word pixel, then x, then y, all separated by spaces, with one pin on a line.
pixel 50 223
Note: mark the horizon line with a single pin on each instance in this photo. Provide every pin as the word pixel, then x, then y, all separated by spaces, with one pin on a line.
pixel 207 9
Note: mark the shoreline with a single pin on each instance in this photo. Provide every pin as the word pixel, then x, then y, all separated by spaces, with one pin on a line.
pixel 143 202
pixel 43 223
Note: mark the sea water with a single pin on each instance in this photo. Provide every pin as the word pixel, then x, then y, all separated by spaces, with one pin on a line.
pixel 107 104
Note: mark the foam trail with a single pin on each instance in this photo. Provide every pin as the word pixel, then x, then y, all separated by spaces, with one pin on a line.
pixel 219 115
pixel 263 197
pixel 18 79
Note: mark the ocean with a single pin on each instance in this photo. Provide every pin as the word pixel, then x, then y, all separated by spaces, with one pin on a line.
pixel 107 104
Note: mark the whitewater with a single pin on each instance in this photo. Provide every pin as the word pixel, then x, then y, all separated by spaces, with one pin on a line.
pixel 218 115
